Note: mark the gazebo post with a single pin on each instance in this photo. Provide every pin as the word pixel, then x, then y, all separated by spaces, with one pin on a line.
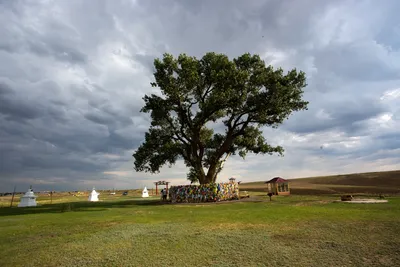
pixel 161 183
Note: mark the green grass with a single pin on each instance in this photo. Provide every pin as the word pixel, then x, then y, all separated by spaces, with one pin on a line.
pixel 289 231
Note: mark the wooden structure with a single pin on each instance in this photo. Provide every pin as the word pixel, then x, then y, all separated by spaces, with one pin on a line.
pixel 232 180
pixel 278 186
pixel 161 183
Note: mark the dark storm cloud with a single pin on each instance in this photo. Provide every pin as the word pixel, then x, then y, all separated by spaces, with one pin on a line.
pixel 386 146
pixel 369 62
pixel 17 106
pixel 29 150
pixel 58 40
pixel 73 74
pixel 5 88
pixel 99 118
pixel 18 109
pixel 107 116
pixel 389 141
pixel 42 135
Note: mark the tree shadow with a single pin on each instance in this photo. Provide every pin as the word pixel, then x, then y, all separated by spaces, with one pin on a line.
pixel 86 206
pixel 78 206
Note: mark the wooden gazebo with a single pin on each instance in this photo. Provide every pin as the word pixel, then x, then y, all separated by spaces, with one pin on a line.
pixel 278 186
pixel 161 183
pixel 232 179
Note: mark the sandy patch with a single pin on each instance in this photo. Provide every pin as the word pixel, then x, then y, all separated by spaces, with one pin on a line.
pixel 363 201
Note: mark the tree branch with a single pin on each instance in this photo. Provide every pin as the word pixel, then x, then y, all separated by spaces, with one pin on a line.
pixel 201 148
pixel 185 115
pixel 208 90
pixel 244 125
pixel 186 142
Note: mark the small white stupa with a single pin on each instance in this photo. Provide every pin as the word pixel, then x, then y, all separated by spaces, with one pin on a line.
pixel 145 193
pixel 28 200
pixel 94 196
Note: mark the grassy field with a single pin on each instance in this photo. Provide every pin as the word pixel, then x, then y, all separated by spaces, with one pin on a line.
pixel 356 183
pixel 129 231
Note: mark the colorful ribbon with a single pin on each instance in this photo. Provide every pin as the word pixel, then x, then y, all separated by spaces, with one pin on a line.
pixel 204 193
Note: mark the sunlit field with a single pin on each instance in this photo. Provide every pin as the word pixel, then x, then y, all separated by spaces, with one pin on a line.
pixel 131 231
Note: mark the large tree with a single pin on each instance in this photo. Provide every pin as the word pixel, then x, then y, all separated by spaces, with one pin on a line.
pixel 242 94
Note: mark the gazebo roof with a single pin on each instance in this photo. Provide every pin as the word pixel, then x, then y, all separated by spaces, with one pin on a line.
pixel 277 180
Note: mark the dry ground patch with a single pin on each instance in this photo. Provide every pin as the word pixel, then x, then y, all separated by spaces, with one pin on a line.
pixel 356 183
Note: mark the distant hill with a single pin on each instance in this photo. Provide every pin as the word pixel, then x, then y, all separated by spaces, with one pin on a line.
pixel 371 182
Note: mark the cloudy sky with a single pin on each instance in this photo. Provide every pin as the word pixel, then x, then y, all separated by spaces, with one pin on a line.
pixel 73 74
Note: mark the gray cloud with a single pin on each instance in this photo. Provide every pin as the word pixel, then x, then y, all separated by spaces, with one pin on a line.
pixel 370 61
pixel 342 113
pixel 73 74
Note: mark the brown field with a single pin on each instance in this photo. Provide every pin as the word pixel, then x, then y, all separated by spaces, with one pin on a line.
pixel 372 183
pixel 355 183
pixel 63 197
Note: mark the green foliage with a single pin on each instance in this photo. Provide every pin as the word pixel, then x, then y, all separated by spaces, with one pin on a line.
pixel 193 175
pixel 243 94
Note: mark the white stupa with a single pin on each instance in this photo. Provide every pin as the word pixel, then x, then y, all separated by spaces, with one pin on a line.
pixel 94 196
pixel 28 200
pixel 145 193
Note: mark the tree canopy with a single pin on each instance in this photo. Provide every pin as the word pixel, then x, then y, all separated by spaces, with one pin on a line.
pixel 242 94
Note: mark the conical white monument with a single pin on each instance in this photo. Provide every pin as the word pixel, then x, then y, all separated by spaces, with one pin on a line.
pixel 145 193
pixel 94 196
pixel 28 200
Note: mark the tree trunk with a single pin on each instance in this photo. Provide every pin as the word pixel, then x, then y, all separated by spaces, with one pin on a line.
pixel 197 153
pixel 221 166
pixel 201 177
pixel 210 177
pixel 214 166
